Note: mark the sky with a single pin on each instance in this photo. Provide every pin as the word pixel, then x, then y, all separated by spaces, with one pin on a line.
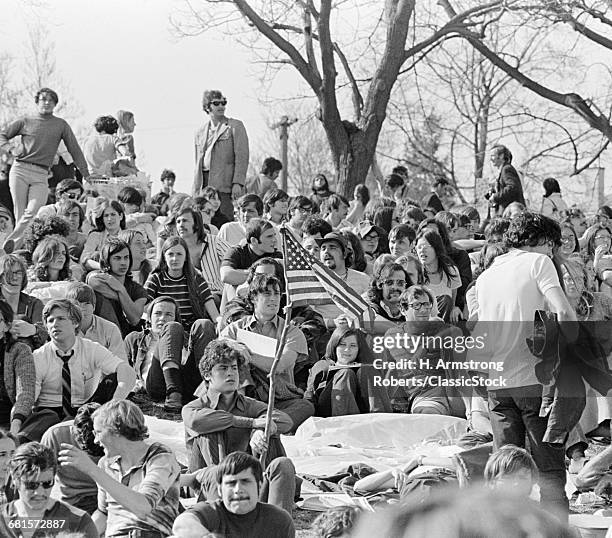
pixel 120 54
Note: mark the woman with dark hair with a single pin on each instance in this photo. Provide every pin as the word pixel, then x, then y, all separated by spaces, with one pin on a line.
pixel 190 228
pixel 141 266
pixel 109 220
pixel 387 217
pixel 99 148
pixel 28 326
pixel 342 382
pixel 357 260
pixel 459 257
pixel 174 276
pixel 599 257
pixel 361 197
pixel 114 281
pixel 441 274
pixel 17 374
pixel 552 202
pixel 320 190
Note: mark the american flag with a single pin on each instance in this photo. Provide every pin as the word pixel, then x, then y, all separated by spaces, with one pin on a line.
pixel 309 282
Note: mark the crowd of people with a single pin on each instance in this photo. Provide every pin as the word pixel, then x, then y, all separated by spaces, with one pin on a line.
pixel 106 302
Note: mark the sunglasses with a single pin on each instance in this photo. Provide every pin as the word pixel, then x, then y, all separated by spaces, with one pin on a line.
pixel 32 485
pixel 219 102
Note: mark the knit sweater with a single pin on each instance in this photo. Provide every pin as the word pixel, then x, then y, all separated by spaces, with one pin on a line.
pixel 20 379
pixel 41 135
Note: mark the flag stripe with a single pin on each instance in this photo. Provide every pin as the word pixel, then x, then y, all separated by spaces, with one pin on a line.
pixel 310 282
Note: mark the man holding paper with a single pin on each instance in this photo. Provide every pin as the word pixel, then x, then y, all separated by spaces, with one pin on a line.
pixel 260 333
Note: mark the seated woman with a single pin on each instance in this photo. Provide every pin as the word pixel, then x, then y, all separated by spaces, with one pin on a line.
pixel 50 265
pixel 175 276
pixel 32 469
pixel 138 481
pixel 441 275
pixel 114 282
pixel 74 215
pixel 343 382
pixel 17 373
pixel 141 266
pixel 28 325
pixel 109 220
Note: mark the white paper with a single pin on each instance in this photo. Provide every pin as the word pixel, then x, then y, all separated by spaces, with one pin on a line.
pixel 257 343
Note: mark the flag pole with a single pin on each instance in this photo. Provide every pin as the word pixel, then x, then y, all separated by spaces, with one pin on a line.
pixel 279 351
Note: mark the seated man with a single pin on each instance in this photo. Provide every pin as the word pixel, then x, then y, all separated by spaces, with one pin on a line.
pixel 238 512
pixel 69 368
pixel 156 354
pixel 222 420
pixel 384 296
pixel 32 468
pixel 250 206
pixel 261 243
pixel 423 362
pixel 93 327
pixel 75 487
pixel 264 295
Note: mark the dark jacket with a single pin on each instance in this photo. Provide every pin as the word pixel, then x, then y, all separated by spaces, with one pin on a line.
pixel 432 201
pixel 508 189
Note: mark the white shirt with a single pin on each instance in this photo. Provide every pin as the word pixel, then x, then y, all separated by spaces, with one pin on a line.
pixel 108 335
pixel 88 364
pixel 508 293
pixel 232 233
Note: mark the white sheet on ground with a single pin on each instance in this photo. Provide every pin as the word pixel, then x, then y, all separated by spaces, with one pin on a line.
pixel 325 446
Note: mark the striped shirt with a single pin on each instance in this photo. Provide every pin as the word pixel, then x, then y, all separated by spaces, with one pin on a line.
pixel 163 284
pixel 210 262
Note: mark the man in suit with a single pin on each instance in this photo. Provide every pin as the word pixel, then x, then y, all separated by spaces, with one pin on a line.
pixel 222 153
pixel 508 186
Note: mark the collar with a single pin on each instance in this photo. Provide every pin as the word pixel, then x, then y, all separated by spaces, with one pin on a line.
pixel 73 348
pixel 388 311
pixel 251 321
pixel 213 396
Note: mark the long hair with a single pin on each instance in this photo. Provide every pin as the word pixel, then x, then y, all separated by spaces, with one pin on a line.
pixel 356 260
pixel 198 223
pixel 111 246
pixel 383 218
pixel 128 236
pixel 114 204
pixel 442 232
pixel 590 238
pixel 445 264
pixel 188 273
pixel 364 355
pixel 374 292
pixel 43 255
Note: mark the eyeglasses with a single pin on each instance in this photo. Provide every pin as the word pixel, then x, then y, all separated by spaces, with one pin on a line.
pixel 305 210
pixel 399 283
pixel 417 306
pixel 221 102
pixel 567 239
pixel 32 485
pixel 371 238
pixel 606 237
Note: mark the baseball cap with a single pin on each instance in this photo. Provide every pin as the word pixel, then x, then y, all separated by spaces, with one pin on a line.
pixel 334 236
pixel 364 228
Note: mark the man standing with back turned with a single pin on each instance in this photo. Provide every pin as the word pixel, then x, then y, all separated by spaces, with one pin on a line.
pixel 222 153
